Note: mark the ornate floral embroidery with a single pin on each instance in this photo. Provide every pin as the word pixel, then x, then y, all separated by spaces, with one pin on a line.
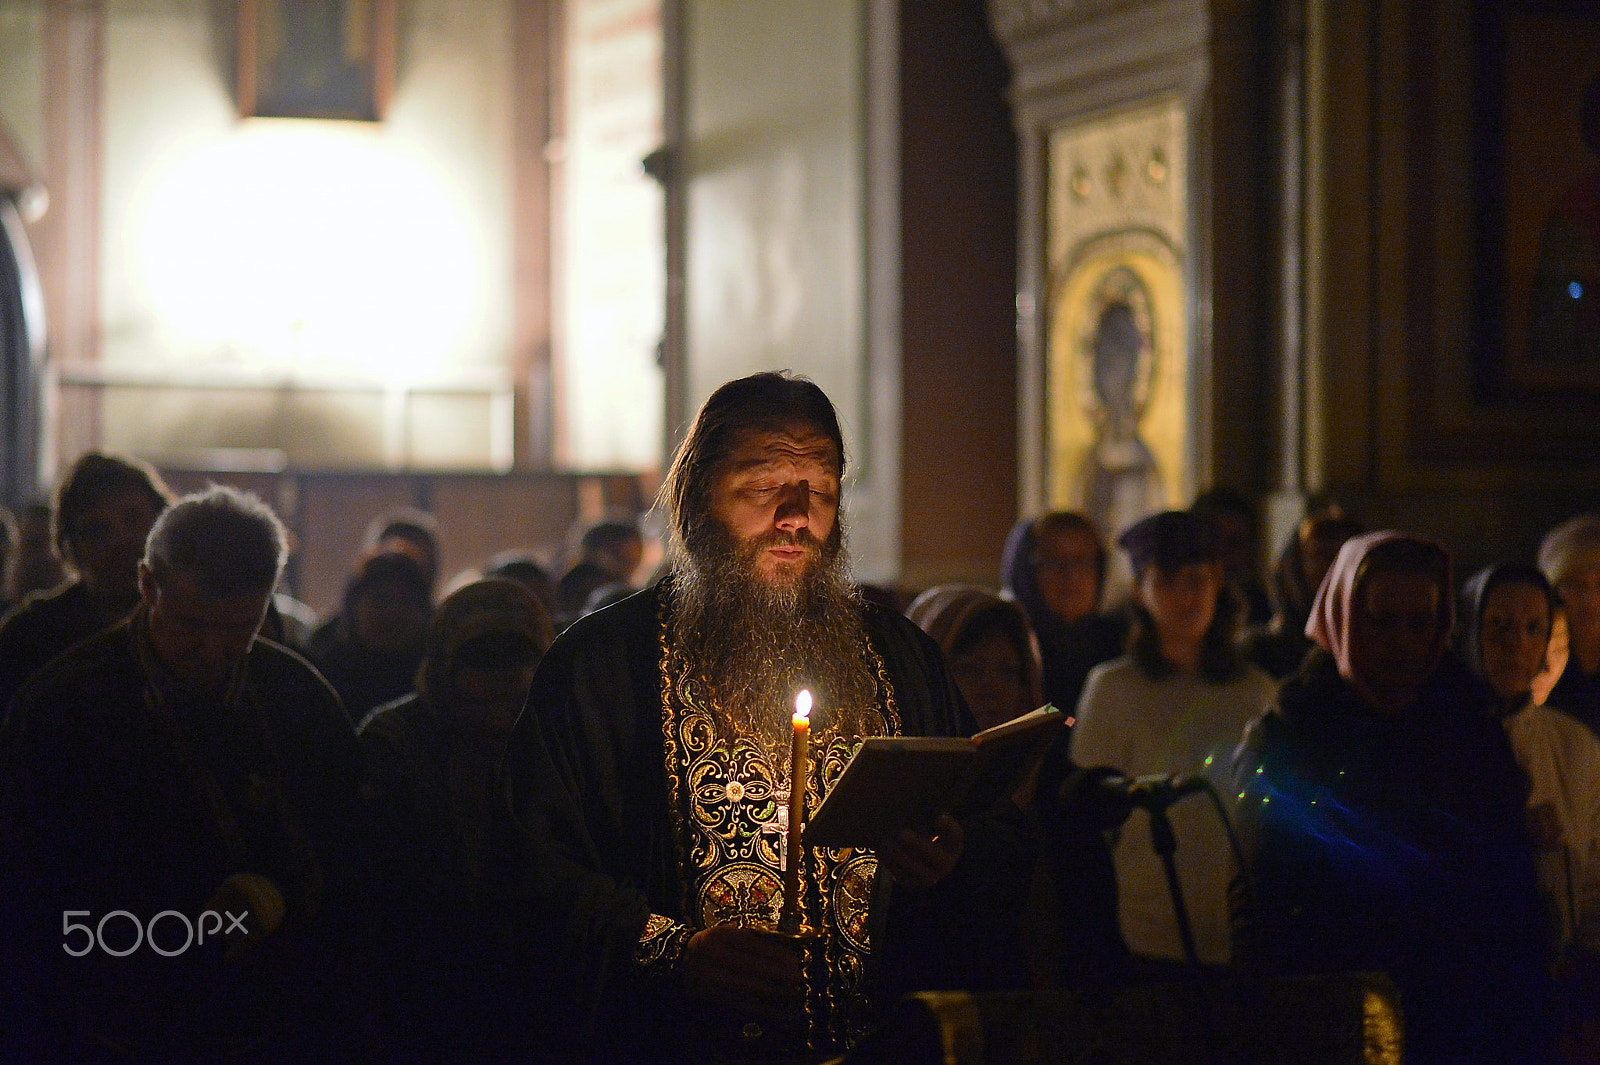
pixel 852 897
pixel 661 944
pixel 743 893
pixel 726 799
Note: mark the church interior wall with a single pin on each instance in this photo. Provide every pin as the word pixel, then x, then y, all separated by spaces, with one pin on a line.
pixel 1390 360
pixel 1421 421
pixel 959 196
pixel 328 261
pixel 1345 334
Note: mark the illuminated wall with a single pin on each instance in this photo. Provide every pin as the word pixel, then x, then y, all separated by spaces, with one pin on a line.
pixel 775 216
pixel 336 293
pixel 791 225
pixel 612 241
pixel 21 106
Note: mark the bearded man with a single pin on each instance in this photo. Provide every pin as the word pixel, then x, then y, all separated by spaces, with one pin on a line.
pixel 645 775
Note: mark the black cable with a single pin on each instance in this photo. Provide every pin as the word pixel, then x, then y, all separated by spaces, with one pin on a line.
pixel 1247 881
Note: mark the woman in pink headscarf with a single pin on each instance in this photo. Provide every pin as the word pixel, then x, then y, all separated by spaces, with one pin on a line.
pixel 1382 813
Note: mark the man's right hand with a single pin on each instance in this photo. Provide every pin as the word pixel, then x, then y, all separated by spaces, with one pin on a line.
pixel 743 972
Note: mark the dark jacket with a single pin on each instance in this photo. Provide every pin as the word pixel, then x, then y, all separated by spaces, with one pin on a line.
pixel 41 627
pixel 112 799
pixel 1395 842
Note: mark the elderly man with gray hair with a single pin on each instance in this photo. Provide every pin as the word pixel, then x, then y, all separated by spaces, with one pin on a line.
pixel 1569 556
pixel 173 797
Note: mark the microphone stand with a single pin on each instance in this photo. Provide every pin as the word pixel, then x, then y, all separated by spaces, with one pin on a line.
pixel 1165 843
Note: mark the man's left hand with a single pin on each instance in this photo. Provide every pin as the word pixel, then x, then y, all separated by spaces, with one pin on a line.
pixel 917 861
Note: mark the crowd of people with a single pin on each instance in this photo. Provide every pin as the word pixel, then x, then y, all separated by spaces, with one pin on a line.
pixel 541 817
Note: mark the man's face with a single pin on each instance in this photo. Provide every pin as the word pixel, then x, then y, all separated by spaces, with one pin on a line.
pixel 622 560
pixel 106 542
pixel 1580 592
pixel 389 618
pixel 1513 635
pixel 1317 555
pixel 1394 636
pixel 778 494
pixel 1237 544
pixel 200 638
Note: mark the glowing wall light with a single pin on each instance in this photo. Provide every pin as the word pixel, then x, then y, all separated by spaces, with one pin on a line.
pixel 316 249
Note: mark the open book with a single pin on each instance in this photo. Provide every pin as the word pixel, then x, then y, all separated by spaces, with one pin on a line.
pixel 895 782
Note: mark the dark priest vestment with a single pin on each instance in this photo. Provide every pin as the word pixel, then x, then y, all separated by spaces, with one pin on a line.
pixel 117 794
pixel 638 823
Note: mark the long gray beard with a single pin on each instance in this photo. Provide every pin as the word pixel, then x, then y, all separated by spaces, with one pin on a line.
pixel 753 645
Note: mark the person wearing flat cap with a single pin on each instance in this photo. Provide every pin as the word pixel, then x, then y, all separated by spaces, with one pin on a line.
pixel 1176 703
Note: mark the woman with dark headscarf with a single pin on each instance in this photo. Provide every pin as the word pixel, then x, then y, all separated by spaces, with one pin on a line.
pixel 1068 922
pixel 1383 818
pixel 1055 568
pixel 990 647
pixel 434 752
pixel 433 757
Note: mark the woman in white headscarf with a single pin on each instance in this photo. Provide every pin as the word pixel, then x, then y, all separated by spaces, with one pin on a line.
pixel 1508 613
pixel 1506 617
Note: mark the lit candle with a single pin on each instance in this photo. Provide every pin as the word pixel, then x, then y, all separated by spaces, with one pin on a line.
pixel 789 919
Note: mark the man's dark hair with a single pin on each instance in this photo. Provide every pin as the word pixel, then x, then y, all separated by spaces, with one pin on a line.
pixel 416 527
pixel 763 402
pixel 609 534
pixel 1330 526
pixel 525 569
pixel 96 476
pixel 228 541
pixel 385 570
pixel 1224 500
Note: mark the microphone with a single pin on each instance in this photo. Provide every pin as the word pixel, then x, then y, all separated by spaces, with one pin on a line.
pixel 1160 790
pixel 1103 797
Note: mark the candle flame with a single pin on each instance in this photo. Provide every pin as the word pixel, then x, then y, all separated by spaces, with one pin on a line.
pixel 802 707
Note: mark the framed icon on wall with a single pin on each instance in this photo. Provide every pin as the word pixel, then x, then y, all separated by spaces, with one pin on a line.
pixel 331 59
pixel 1117 345
pixel 1540 71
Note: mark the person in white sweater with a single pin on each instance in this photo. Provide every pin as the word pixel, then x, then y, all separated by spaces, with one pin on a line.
pixel 1177 703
